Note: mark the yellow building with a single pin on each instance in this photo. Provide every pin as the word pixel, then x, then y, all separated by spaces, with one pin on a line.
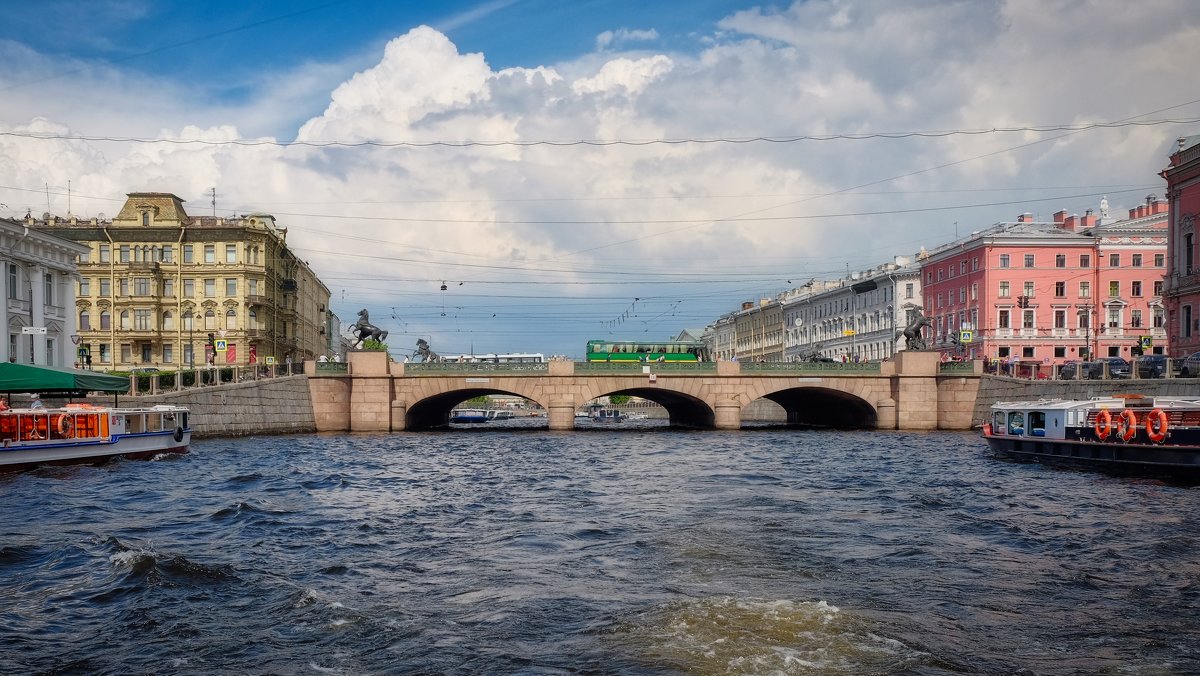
pixel 162 288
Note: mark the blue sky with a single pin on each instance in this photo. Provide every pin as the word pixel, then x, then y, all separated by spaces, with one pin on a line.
pixel 601 168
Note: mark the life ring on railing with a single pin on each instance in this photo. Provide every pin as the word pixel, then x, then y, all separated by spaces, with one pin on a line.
pixel 178 436
pixel 1103 426
pixel 1126 425
pixel 1159 417
pixel 65 426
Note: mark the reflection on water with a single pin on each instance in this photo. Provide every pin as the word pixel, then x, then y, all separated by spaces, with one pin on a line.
pixel 630 550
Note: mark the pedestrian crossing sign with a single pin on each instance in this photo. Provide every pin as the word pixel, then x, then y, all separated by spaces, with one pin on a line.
pixel 220 345
pixel 966 336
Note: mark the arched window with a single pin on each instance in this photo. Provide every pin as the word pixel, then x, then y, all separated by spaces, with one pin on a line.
pixel 187 321
pixel 105 320
pixel 168 321
pixel 210 320
pixel 85 321
pixel 125 320
pixel 252 320
pixel 231 319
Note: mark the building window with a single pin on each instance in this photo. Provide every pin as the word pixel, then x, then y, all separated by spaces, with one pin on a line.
pixel 1188 254
pixel 145 218
pixel 230 253
pixel 188 256
pixel 123 284
pixel 1060 352
pixel 1114 318
pixel 940 271
pixel 1027 352
pixel 1135 288
pixel 168 353
pixel 1085 261
pixel 12 281
pixel 1135 319
pixel 168 288
pixel 252 319
pixel 48 288
pixel 124 320
pixel 168 253
pixel 124 253
pixel 1060 260
pixel 231 319
pixel 104 253
pixel 189 288
pixel 1158 287
pixel 1114 289
pixel 975 291
pixel 210 320
pixel 1029 289
pixel 231 287
pixel 1085 289
pixel 85 287
pixel 1004 260
pixel 1136 260
pixel 105 320
pixel 1187 320
pixel 1060 319
pixel 210 253
pixel 1004 292
pixel 1160 317
pixel 962 267
pixel 1160 260
pixel 1060 289
pixel 1029 260
pixel 908 288
pixel 105 353
pixel 168 321
pixel 1114 260
pixel 141 320
pixel 1085 319
pixel 85 321
pixel 1002 320
pixel 141 286
pixel 210 288
pixel 1027 319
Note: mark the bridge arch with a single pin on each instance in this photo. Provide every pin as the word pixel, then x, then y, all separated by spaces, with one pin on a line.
pixel 825 407
pixel 434 410
pixel 683 410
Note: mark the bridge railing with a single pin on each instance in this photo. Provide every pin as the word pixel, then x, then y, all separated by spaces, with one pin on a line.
pixel 822 367
pixel 443 368
pixel 956 367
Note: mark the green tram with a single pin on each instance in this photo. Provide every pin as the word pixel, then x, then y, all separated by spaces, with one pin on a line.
pixel 645 351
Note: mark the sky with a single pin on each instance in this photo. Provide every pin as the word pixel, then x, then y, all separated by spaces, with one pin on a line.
pixel 595 168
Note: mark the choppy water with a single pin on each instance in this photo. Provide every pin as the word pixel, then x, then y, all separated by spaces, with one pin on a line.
pixel 615 551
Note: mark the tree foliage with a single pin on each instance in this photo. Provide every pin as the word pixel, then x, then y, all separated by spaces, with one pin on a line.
pixel 618 399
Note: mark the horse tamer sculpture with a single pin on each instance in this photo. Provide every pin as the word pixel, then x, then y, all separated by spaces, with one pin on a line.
pixel 364 329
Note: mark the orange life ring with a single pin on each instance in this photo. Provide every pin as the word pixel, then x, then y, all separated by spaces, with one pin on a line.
pixel 1103 426
pixel 1159 417
pixel 1126 425
pixel 65 426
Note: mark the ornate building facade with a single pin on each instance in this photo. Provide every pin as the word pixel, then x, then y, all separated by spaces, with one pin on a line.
pixel 159 287
pixel 38 278
pixel 1182 292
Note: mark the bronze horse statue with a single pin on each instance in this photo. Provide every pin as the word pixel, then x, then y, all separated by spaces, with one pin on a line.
pixel 912 333
pixel 425 354
pixel 363 329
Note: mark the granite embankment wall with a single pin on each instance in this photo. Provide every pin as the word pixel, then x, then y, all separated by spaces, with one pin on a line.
pixel 272 406
pixel 1001 388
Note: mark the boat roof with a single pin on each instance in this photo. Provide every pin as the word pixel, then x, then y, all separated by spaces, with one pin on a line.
pixel 1121 401
pixel 57 380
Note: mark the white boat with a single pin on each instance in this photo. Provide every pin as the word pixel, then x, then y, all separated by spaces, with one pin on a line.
pixel 1122 434
pixel 82 433
pixel 500 414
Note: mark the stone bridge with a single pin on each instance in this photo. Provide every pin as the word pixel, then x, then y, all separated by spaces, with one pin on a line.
pixel 913 392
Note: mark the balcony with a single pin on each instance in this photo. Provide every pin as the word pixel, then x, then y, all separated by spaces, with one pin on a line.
pixel 256 299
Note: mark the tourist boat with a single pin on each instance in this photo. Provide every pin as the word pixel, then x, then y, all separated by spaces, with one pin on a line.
pixel 1125 434
pixel 469 415
pixel 500 414
pixel 82 433
pixel 602 414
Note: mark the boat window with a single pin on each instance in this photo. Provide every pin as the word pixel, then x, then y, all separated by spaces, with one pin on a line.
pixel 1037 423
pixel 998 423
pixel 135 424
pixel 1016 422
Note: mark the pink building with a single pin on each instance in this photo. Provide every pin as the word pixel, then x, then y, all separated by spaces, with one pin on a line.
pixel 1182 292
pixel 1049 292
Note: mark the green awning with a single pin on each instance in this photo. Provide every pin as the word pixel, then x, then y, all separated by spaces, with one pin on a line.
pixel 50 379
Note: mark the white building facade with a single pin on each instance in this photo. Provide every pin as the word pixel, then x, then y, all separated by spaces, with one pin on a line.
pixel 39 279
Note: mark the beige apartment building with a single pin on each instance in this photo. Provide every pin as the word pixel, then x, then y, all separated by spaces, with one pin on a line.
pixel 161 288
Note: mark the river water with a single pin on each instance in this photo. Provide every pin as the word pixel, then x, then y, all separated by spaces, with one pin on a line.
pixel 633 550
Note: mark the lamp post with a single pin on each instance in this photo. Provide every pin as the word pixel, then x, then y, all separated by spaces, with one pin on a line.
pixel 191 321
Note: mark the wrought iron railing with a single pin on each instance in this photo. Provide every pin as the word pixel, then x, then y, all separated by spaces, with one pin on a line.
pixel 443 368
pixel 956 367
pixel 822 367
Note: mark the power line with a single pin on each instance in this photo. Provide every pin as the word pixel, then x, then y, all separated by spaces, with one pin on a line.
pixel 41 136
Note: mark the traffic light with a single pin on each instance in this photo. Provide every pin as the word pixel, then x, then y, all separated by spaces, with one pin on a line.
pixel 1022 301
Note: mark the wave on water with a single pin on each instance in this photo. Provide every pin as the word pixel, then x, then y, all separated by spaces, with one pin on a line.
pixel 157 568
pixel 732 635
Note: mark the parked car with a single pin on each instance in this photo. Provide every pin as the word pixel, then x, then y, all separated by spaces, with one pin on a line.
pixel 1094 370
pixel 1151 366
pixel 1189 367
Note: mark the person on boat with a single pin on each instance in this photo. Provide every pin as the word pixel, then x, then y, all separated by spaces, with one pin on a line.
pixel 3 405
pixel 37 402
